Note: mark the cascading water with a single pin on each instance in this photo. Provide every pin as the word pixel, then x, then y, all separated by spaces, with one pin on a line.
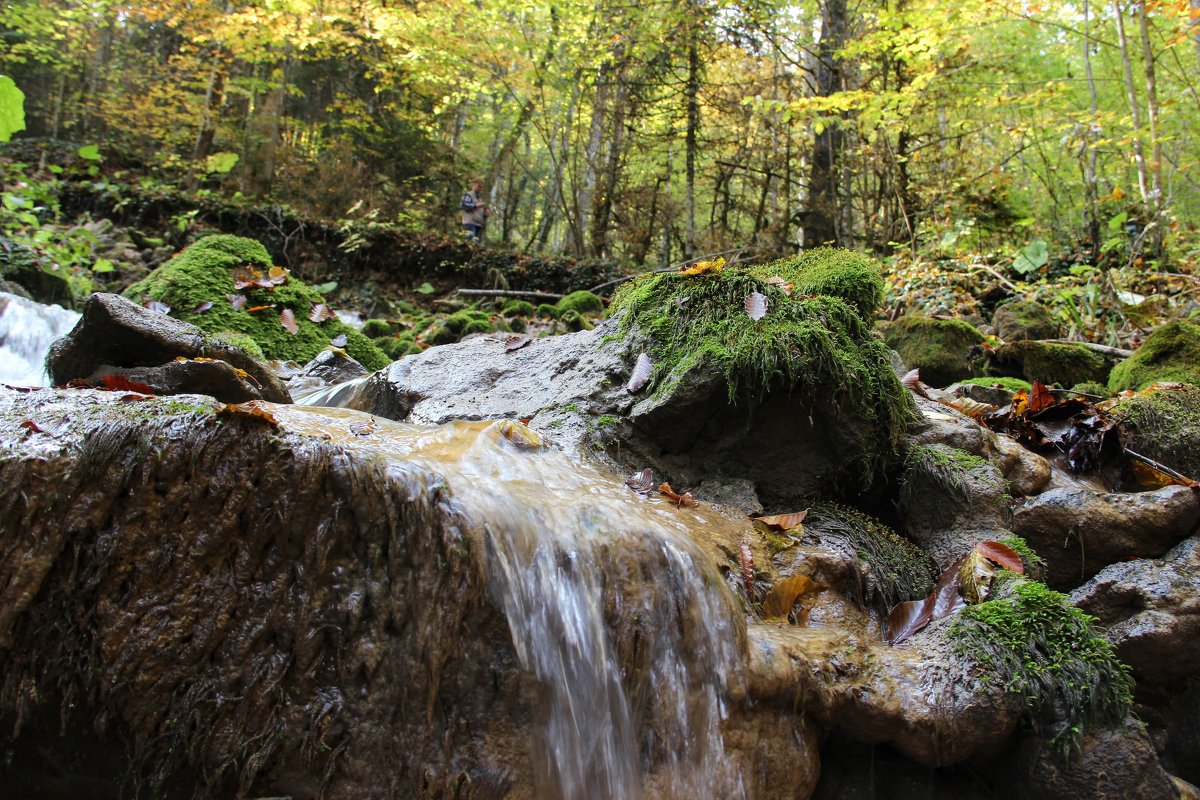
pixel 26 331
pixel 573 556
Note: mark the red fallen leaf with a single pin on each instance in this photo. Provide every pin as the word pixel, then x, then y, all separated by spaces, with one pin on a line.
pixel 783 285
pixel 516 341
pixel 157 306
pixel 238 301
pixel 339 341
pixel 912 379
pixel 641 482
pixel 685 500
pixel 202 307
pixel 319 313
pixel 746 556
pixel 1002 555
pixel 1041 397
pixel 253 409
pixel 252 309
pixel 641 374
pixel 756 305
pixel 30 425
pixel 277 275
pixel 783 522
pixel 119 383
pixel 288 319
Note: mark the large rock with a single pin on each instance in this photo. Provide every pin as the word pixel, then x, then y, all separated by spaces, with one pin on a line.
pixel 1170 354
pixel 937 347
pixel 1080 531
pixel 1017 320
pixel 1163 425
pixel 116 336
pixel 1049 362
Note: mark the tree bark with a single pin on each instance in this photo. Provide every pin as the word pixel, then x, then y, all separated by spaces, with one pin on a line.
pixel 821 215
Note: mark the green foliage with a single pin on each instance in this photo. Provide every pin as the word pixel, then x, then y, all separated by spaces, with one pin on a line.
pixel 574 321
pixel 12 108
pixel 1170 354
pixel 547 311
pixel 1035 565
pixel 1049 654
pixel 1032 257
pixel 204 272
pixel 581 302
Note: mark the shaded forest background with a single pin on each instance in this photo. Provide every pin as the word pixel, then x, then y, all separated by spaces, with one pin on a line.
pixel 650 132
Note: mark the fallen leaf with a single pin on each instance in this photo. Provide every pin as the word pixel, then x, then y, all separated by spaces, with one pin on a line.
pixel 339 341
pixel 30 425
pixel 783 595
pixel 202 307
pixel 119 383
pixel 781 284
pixel 965 405
pixel 157 306
pixel 756 305
pixel 287 318
pixel 253 409
pixel 746 556
pixel 641 374
pixel 685 500
pixel 252 309
pixel 783 522
pixel 520 436
pixel 1041 397
pixel 704 267
pixel 516 341
pixel 277 275
pixel 319 313
pixel 238 301
pixel 912 379
pixel 641 482
pixel 1001 555
pixel 363 427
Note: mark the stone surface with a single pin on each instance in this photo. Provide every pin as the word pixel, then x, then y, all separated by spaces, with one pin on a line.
pixel 1024 319
pixel 117 333
pixel 1080 531
pixel 1049 362
pixel 1027 473
pixel 938 347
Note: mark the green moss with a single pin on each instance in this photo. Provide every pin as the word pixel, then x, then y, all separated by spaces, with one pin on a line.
pixel 547 311
pixel 900 569
pixel 1008 384
pixel 398 346
pixel 833 272
pixel 1164 425
pixel 581 302
pixel 1053 362
pixel 1170 354
pixel 241 341
pixel 374 328
pixel 1035 565
pixel 607 419
pixel 574 321
pixel 937 347
pixel 1024 319
pixel 815 347
pixel 204 272
pixel 1092 388
pixel 949 469
pixel 518 308
pixel 1049 654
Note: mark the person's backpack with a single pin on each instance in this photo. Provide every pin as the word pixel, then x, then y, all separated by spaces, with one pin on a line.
pixel 468 202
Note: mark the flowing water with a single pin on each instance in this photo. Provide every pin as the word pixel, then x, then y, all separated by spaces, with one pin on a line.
pixel 573 554
pixel 26 331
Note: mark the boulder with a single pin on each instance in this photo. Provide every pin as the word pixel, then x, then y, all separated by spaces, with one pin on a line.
pixel 1169 354
pixel 938 347
pixel 1049 362
pixel 1163 425
pixel 1081 531
pixel 114 335
pixel 1018 320
pixel 993 391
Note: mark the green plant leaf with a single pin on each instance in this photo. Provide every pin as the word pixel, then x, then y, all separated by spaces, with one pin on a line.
pixel 426 288
pixel 89 152
pixel 103 265
pixel 12 108
pixel 1031 257
pixel 220 163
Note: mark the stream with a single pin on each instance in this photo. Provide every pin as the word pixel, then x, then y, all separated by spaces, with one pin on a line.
pixel 26 331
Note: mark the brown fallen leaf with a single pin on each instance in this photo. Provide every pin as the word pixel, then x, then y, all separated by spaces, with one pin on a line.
pixel 912 379
pixel 641 482
pixel 965 405
pixel 781 284
pixel 119 383
pixel 363 427
pixel 277 276
pixel 30 425
pixel 319 313
pixel 252 309
pixel 783 595
pixel 516 341
pixel 521 437
pixel 253 409
pixel 783 522
pixel 685 500
pixel 287 318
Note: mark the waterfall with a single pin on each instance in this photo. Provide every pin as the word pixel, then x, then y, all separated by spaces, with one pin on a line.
pixel 26 331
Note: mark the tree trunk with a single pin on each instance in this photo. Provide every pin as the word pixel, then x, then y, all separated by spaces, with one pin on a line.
pixel 821 217
pixel 1134 108
pixel 692 136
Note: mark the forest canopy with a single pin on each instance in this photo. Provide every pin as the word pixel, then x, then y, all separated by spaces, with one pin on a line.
pixel 648 132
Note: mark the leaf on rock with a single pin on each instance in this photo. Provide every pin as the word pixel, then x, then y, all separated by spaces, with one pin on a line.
pixel 641 482
pixel 783 595
pixel 972 408
pixel 520 436
pixel 685 500
pixel 363 427
pixel 641 374
pixel 30 425
pixel 704 267
pixel 756 305
pixel 319 313
pixel 288 319
pixel 254 409
pixel 912 379
pixel 238 301
pixel 277 276
pixel 339 341
pixel 975 577
pixel 119 383
pixel 157 306
pixel 516 341
pixel 783 522
pixel 1002 555
pixel 202 307
pixel 781 284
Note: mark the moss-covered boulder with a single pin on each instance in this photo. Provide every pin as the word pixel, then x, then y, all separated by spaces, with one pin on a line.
pixel 832 272
pixel 1018 320
pixel 581 302
pixel 204 274
pixel 1164 425
pixel 1170 354
pixel 1049 362
pixel 938 347
pixel 21 267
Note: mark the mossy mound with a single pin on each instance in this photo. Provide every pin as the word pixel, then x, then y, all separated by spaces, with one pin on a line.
pixel 1051 362
pixel 581 302
pixel 398 346
pixel 833 272
pixel 1018 320
pixel 1170 354
pixel 816 349
pixel 242 342
pixel 1012 385
pixel 547 311
pixel 1046 651
pixel 461 324
pixel 937 347
pixel 204 273
pixel 518 308
pixel 375 328
pixel 1164 425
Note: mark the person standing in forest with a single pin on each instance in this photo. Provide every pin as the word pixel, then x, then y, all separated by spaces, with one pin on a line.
pixel 474 211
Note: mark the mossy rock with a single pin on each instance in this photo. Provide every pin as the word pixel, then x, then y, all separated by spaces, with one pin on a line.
pixel 22 266
pixel 937 347
pixel 581 302
pixel 1018 320
pixel 1050 362
pixel 1171 354
pixel 1164 425
pixel 398 346
pixel 375 328
pixel 1092 388
pixel 242 342
pixel 518 308
pixel 547 311
pixel 812 361
pixel 204 273
pixel 832 272
pixel 574 321
pixel 459 325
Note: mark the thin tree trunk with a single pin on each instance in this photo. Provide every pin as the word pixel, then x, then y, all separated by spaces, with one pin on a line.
pixel 691 141
pixel 1091 191
pixel 1134 108
pixel 1156 185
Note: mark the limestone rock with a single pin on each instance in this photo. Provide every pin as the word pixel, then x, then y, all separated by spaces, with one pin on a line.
pixel 1027 473
pixel 1024 319
pixel 1080 531
pixel 116 333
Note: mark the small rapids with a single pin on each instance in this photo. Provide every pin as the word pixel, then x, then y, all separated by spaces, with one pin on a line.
pixel 573 558
pixel 27 330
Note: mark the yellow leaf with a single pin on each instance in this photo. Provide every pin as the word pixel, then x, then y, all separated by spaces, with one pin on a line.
pixel 783 595
pixel 705 267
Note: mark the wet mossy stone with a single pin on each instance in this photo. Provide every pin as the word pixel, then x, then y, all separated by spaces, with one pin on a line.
pixel 832 272
pixel 937 347
pixel 374 328
pixel 1050 362
pixel 547 311
pixel 574 321
pixel 581 302
pixel 1018 320
pixel 518 308
pixel 1171 354
pixel 1163 425
pixel 204 273
pixel 22 266
pixel 800 401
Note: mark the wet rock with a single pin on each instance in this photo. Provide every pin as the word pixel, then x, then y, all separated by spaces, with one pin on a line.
pixel 993 391
pixel 938 347
pixel 1115 763
pixel 1163 425
pixel 1027 473
pixel 333 365
pixel 1080 531
pixel 117 334
pixel 1171 353
pixel 732 492
pixel 1150 611
pixel 1024 319
pixel 216 379
pixel 938 424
